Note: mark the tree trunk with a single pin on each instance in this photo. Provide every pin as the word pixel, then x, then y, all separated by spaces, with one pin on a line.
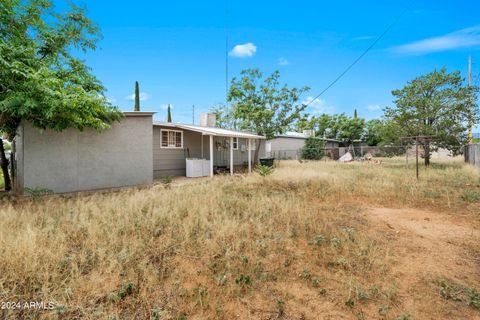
pixel 257 151
pixel 426 154
pixel 4 165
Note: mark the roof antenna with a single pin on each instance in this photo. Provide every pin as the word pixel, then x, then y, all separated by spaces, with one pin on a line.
pixel 226 53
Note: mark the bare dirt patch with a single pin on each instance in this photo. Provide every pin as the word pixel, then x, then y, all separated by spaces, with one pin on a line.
pixel 430 246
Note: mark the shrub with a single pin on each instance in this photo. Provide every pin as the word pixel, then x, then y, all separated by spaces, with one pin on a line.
pixel 471 196
pixel 313 149
pixel 474 298
pixel 317 240
pixel 38 192
pixel 126 290
pixel 264 170
pixel 167 181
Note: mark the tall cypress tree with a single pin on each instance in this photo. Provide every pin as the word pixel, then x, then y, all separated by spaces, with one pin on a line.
pixel 355 116
pixel 169 114
pixel 137 97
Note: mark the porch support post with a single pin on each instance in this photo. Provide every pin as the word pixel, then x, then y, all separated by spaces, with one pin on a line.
pixel 231 156
pixel 250 155
pixel 211 156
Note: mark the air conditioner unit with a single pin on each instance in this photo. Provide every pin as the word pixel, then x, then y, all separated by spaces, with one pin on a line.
pixel 197 167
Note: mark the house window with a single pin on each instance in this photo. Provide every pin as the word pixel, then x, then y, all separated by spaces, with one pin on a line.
pixel 171 139
pixel 235 143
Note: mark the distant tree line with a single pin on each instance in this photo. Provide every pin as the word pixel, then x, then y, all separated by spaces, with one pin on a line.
pixel 437 104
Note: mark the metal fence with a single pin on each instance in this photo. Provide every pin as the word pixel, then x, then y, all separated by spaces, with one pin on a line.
pixel 285 154
pixel 472 154
pixel 335 153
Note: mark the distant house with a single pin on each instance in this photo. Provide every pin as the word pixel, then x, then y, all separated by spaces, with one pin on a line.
pixel 133 151
pixel 289 145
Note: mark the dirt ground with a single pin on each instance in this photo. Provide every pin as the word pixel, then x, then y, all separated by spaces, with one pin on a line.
pixel 313 240
pixel 431 246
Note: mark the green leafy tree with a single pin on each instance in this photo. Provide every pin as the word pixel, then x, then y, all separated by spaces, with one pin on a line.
pixel 137 97
pixel 41 82
pixel 435 104
pixel 337 123
pixel 389 134
pixel 264 106
pixel 169 114
pixel 350 129
pixel 341 127
pixel 313 149
pixel 304 123
pixel 224 116
pixel 374 131
pixel 323 126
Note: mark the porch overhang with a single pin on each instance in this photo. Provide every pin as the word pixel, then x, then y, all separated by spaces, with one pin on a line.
pixel 212 131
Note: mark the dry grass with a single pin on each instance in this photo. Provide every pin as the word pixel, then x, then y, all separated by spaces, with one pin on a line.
pixel 298 244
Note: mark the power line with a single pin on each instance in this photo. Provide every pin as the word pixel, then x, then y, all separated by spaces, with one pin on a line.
pixel 363 54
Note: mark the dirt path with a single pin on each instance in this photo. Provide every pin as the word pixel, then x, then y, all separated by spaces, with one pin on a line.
pixel 429 246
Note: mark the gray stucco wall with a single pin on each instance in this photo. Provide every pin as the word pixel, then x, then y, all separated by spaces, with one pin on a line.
pixel 76 161
pixel 286 144
pixel 172 161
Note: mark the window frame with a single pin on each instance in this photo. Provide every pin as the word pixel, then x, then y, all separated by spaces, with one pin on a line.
pixel 235 143
pixel 169 146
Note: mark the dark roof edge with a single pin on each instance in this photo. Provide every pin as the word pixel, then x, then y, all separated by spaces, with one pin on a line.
pixel 294 137
pixel 138 114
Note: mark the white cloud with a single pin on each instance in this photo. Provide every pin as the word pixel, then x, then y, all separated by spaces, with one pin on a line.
pixel 143 96
pixel 246 50
pixel 362 38
pixel 464 38
pixel 374 107
pixel 318 106
pixel 283 62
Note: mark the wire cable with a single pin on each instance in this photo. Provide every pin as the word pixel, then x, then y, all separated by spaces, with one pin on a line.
pixel 363 54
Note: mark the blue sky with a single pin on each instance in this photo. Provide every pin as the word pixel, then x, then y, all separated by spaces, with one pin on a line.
pixel 176 50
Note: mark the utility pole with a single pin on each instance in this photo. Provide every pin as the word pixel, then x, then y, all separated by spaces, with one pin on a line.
pixel 470 102
pixel 193 114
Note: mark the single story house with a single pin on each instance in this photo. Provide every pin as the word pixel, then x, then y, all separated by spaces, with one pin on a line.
pixel 174 143
pixel 134 151
pixel 290 144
